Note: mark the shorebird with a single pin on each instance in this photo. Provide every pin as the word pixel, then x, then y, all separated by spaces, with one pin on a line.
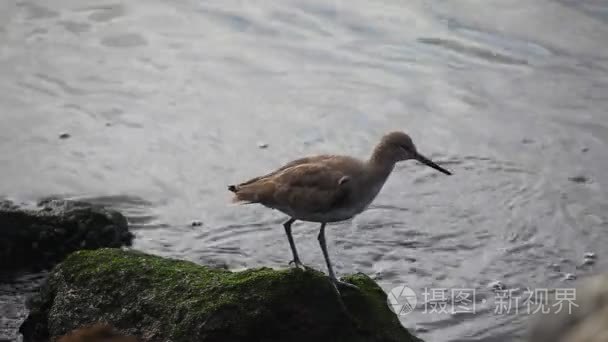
pixel 328 188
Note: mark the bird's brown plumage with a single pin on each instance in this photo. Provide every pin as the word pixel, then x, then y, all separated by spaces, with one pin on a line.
pixel 312 184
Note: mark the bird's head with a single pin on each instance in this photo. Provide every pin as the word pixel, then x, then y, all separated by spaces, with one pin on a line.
pixel 398 146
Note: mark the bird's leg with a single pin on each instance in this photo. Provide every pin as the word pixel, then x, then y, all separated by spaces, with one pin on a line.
pixel 330 270
pixel 296 259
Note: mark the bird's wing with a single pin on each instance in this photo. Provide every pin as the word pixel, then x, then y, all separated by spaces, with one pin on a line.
pixel 305 160
pixel 310 187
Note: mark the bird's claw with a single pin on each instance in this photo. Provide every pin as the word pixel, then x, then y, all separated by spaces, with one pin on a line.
pixel 337 283
pixel 297 264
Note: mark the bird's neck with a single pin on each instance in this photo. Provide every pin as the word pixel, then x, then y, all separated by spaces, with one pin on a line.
pixel 380 164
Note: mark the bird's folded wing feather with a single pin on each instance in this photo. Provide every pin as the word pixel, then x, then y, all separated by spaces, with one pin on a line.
pixel 310 187
pixel 305 160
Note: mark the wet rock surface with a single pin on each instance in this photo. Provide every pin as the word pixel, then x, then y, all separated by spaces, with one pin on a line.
pixel 96 333
pixel 39 237
pixel 159 299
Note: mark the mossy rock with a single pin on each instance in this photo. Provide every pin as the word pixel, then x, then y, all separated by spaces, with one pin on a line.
pixel 160 299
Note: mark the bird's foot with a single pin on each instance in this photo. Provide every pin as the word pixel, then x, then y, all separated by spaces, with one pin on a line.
pixel 338 283
pixel 298 264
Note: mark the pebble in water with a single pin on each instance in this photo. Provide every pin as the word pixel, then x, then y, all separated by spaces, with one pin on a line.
pixel 588 262
pixel 497 285
pixel 421 330
pixel 579 179
pixel 262 145
pixel 64 135
pixel 590 255
pixel 589 259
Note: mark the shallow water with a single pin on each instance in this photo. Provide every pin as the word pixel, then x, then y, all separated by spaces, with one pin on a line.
pixel 166 103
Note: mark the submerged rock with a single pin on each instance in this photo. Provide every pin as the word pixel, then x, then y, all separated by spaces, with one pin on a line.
pixel 43 236
pixel 159 299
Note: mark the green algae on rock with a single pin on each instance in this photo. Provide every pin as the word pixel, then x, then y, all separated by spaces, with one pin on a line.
pixel 160 299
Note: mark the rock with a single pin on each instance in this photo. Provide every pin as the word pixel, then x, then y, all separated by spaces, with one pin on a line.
pixel 7 205
pixel 64 135
pixel 159 299
pixel 96 333
pixel 38 238
pixel 586 321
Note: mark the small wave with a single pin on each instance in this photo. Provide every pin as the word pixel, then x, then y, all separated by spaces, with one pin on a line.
pixel 474 51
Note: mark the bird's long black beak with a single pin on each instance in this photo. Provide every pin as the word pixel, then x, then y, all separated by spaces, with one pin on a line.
pixel 426 161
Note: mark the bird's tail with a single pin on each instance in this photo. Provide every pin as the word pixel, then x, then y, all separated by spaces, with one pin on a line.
pixel 240 197
pixel 252 193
